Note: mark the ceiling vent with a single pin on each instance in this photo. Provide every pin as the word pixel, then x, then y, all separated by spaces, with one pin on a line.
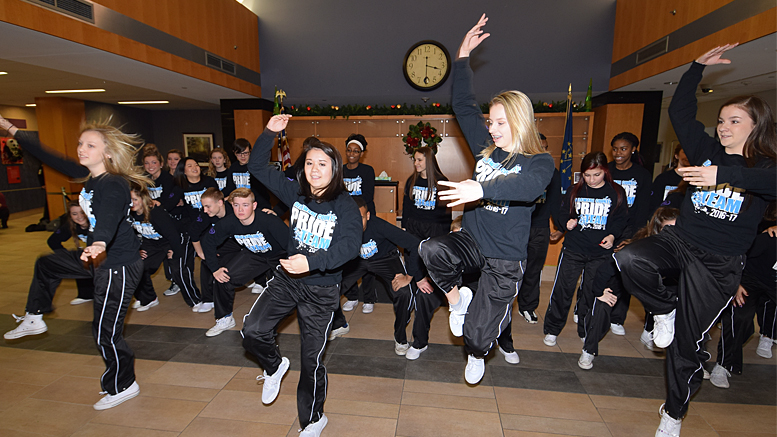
pixel 654 50
pixel 220 64
pixel 80 9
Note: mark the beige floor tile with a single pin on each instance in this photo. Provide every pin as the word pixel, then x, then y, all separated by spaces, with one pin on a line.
pixel 193 375
pixel 144 412
pixel 514 433
pixel 545 403
pixel 238 405
pixel 288 386
pixel 178 392
pixel 734 417
pixel 209 427
pixel 46 417
pixel 632 430
pixel 624 403
pixel 744 434
pixel 359 408
pixel 14 392
pixel 691 420
pixel 449 401
pixel 45 362
pixel 28 377
pixel 5 432
pixel 364 388
pixel 446 388
pixel 341 425
pixel 72 389
pixel 427 421
pixel 102 430
pixel 591 428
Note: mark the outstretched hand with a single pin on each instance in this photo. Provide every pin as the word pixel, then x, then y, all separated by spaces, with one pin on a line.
pixel 473 38
pixel 700 176
pixel 713 57
pixel 461 192
pixel 278 122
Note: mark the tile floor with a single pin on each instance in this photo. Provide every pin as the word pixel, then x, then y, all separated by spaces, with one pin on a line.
pixel 197 386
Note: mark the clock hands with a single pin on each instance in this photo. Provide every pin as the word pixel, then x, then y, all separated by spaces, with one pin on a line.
pixel 426 72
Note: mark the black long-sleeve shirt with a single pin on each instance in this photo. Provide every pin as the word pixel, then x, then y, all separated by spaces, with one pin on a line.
pixel 221 179
pixel 761 263
pixel 204 222
pixel 159 230
pixel 636 182
pixel 266 235
pixel 165 191
pixel 361 182
pixel 548 204
pixel 327 233
pixel 381 239
pixel 239 177
pixel 63 233
pixel 417 206
pixel 719 219
pixel 664 183
pixel 105 200
pixel 598 215
pixel 500 223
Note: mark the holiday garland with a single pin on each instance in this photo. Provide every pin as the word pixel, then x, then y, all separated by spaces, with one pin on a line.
pixel 420 135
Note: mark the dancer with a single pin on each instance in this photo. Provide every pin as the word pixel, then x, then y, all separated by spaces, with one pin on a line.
pixel 105 155
pixel 218 167
pixel 325 233
pixel 668 181
pixel 512 170
pixel 75 225
pixel 595 214
pixel 716 226
pixel 163 191
pixel 240 177
pixel 173 157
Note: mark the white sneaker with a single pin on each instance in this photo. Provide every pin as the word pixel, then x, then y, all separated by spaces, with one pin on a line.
pixel 550 340
pixel 719 376
pixel 368 308
pixel 475 369
pixel 575 318
pixel 617 329
pixel 647 339
pixel 135 304
pixel 205 307
pixel 173 290
pixel 221 325
pixel 510 357
pixel 350 305
pixel 586 361
pixel 531 317
pixel 663 331
pixel 456 318
pixel 339 332
pixel 413 353
pixel 272 383
pixel 314 429
pixel 79 301
pixel 705 374
pixel 257 289
pixel 30 324
pixel 669 427
pixel 764 348
pixel 110 401
pixel 150 305
pixel 401 348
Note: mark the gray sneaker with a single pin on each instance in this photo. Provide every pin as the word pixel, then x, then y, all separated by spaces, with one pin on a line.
pixel 719 376
pixel 173 290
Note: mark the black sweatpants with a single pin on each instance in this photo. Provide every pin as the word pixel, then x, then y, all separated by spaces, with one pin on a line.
pixel 537 250
pixel 182 270
pixel 570 266
pixel 241 268
pixel 489 313
pixel 385 269
pixel 737 323
pixel 597 320
pixel 315 307
pixel 766 314
pixel 156 253
pixel 50 270
pixel 707 283
pixel 206 282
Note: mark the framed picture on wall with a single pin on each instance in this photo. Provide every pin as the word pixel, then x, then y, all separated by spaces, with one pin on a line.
pixel 11 152
pixel 198 146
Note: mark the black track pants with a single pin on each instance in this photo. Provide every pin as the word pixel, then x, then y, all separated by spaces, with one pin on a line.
pixel 570 266
pixel 241 268
pixel 707 283
pixel 537 250
pixel 182 270
pixel 112 296
pixel 489 313
pixel 315 307
pixel 50 270
pixel 385 269
pixel 155 255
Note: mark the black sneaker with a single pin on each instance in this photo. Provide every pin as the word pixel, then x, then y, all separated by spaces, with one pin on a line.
pixel 530 316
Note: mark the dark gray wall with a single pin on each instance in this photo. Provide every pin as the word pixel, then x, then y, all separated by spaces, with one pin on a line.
pixel 29 193
pixel 351 51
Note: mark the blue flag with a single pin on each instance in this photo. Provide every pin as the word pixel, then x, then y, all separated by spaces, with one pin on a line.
pixel 566 149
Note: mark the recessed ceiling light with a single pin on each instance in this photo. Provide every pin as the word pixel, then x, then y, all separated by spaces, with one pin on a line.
pixel 3 72
pixel 669 83
pixel 145 102
pixel 95 90
pixel 30 105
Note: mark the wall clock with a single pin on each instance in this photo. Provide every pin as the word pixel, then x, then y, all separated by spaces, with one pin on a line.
pixel 427 65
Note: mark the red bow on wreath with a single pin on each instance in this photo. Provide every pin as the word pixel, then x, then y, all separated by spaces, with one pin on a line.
pixel 419 135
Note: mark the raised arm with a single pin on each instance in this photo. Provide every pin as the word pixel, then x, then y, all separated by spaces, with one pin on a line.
pixel 30 142
pixel 275 181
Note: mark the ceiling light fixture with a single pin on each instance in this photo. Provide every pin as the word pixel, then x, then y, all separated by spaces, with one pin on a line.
pixel 30 105
pixel 94 90
pixel 669 83
pixel 3 73
pixel 145 102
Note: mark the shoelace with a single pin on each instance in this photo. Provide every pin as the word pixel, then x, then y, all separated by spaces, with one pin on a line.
pixel 18 319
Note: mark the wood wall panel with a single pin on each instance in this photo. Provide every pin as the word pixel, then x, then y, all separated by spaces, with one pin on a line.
pixel 613 119
pixel 46 21
pixel 249 124
pixel 752 28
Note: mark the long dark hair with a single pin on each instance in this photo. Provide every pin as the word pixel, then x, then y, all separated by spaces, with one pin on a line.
pixel 180 172
pixel 656 222
pixel 73 225
pixel 148 203
pixel 762 141
pixel 336 185
pixel 591 161
pixel 433 172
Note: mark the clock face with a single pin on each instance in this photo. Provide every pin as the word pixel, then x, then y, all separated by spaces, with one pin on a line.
pixel 427 65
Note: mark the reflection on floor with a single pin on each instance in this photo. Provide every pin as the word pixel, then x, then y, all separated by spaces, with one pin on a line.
pixel 192 385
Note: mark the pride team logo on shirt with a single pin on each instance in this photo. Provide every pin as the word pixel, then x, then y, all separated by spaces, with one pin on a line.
pixel 630 187
pixel 312 231
pixel 256 243
pixel 592 213
pixel 146 230
pixel 485 170
pixel 368 249
pixel 722 202
pixel 354 185
pixel 241 180
pixel 420 195
pixel 221 182
pixel 154 192
pixel 194 198
pixel 85 200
